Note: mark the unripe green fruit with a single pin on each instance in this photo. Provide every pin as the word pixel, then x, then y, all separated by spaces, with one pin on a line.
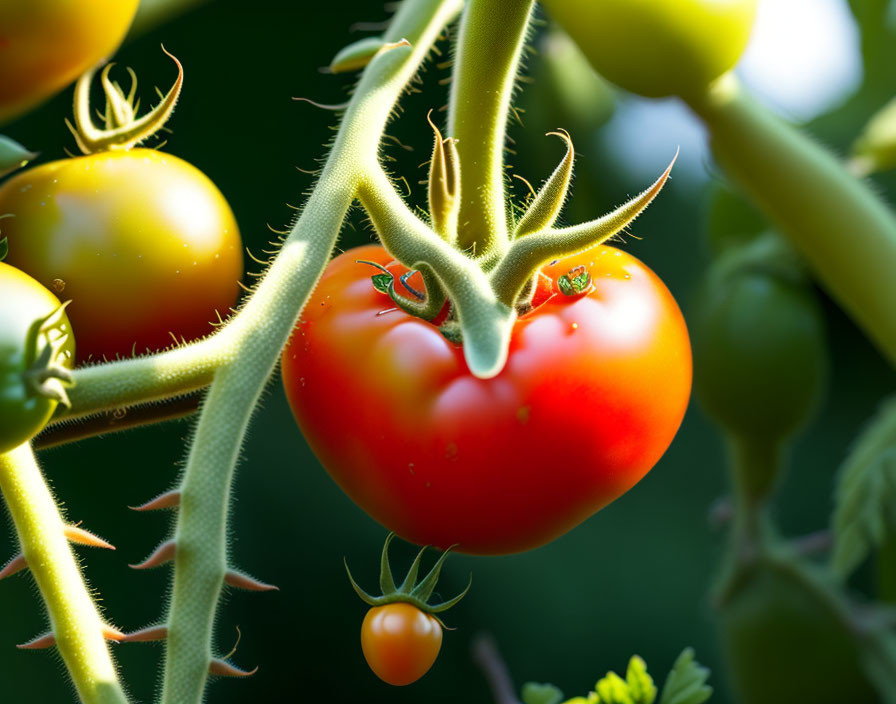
pixel 658 47
pixel 784 642
pixel 759 354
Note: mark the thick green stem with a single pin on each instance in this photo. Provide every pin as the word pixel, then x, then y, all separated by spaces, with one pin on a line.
pixel 846 233
pixel 485 322
pixel 114 385
pixel 492 36
pixel 257 335
pixel 74 618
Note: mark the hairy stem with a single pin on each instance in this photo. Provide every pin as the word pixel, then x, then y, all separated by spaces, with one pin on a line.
pixel 74 618
pixel 128 382
pixel 492 36
pixel 258 333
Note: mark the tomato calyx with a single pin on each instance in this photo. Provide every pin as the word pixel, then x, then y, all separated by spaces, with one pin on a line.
pixel 575 282
pixel 433 308
pixel 410 591
pixel 46 373
pixel 122 128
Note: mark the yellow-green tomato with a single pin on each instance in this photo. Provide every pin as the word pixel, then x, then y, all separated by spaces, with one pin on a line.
pixel 658 47
pixel 142 243
pixel 24 304
pixel 47 44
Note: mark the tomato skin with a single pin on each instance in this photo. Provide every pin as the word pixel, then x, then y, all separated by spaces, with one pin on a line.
pixel 400 642
pixel 47 44
pixel 143 241
pixel 593 392
pixel 658 48
pixel 23 301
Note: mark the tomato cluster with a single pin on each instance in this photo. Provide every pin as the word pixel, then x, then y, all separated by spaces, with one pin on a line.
pixel 594 389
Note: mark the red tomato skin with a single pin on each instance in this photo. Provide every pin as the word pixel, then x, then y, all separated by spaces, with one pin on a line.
pixel 594 390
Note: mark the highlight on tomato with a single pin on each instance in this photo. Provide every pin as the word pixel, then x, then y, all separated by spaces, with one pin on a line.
pixel 402 633
pixel 142 243
pixel 47 44
pixel 658 48
pixel 37 349
pixel 594 389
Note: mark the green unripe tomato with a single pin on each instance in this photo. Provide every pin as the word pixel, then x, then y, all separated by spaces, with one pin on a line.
pixel 784 642
pixel 24 305
pixel 760 359
pixel 658 47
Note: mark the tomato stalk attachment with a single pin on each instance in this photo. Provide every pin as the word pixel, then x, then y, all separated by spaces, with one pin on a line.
pixel 411 591
pixel 123 129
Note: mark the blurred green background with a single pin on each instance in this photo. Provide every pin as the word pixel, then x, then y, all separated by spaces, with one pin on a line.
pixel 633 579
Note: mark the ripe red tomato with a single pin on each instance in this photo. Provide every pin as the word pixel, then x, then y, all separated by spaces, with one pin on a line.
pixel 593 392
pixel 47 44
pixel 142 243
pixel 400 642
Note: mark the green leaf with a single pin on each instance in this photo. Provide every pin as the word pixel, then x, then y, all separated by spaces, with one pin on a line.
pixel 4 248
pixel 13 155
pixel 612 689
pixel 640 684
pixel 535 693
pixel 864 515
pixel 686 683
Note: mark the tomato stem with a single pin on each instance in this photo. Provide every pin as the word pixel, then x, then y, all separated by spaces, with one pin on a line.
pixel 844 230
pixel 492 37
pixel 76 623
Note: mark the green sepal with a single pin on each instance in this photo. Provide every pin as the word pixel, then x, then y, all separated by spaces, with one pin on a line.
pixel 387 582
pixel 358 54
pixel 13 155
pixel 382 282
pixel 548 202
pixel 444 185
pixel 410 592
pixel 535 693
pixel 47 373
pixel 686 682
pixel 575 282
pixel 4 248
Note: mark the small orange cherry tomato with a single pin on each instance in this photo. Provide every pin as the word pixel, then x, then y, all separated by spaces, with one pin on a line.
pixel 400 642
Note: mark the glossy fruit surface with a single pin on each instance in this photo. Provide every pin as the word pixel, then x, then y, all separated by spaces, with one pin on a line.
pixel 593 392
pixel 24 303
pixel 658 47
pixel 47 44
pixel 400 642
pixel 143 244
